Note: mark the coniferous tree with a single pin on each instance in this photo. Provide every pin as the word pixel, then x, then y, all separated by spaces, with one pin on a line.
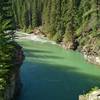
pixel 5 39
pixel 34 14
pixel 5 21
pixel 70 26
pixel 46 15
pixel 59 18
pixel 52 28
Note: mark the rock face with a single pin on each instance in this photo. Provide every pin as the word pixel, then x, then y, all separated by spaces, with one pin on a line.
pixel 92 59
pixel 70 45
pixel 95 95
pixel 14 85
pixel 90 48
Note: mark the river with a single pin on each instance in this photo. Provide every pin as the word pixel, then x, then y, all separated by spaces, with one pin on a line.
pixel 51 73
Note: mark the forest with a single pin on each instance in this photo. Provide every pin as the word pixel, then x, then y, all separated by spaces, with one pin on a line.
pixel 8 47
pixel 72 23
pixel 67 21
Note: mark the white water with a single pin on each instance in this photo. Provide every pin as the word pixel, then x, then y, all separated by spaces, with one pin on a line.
pixel 39 38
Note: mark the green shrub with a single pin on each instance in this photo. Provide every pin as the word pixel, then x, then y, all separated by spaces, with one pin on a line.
pixel 92 89
pixel 8 60
pixel 57 37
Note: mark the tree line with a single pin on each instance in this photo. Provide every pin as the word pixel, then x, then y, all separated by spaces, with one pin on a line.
pixel 58 17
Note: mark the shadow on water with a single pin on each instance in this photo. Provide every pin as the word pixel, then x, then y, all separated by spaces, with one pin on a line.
pixel 44 81
pixel 32 53
pixel 48 82
pixel 37 51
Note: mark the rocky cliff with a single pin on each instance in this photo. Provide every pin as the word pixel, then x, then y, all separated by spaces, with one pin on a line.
pixel 13 82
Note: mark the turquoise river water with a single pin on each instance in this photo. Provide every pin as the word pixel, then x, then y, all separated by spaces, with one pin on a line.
pixel 51 73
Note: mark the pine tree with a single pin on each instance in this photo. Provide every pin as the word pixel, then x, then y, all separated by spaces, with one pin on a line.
pixel 57 17
pixel 70 26
pixel 83 15
pixel 5 21
pixel 94 14
pixel 46 15
pixel 52 28
pixel 5 39
pixel 34 14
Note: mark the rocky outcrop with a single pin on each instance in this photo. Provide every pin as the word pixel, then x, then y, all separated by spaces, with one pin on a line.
pixel 91 55
pixel 92 58
pixel 90 48
pixel 14 85
pixel 70 45
pixel 95 95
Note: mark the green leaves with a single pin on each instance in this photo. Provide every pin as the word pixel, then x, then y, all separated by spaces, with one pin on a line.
pixel 2 84
pixel 6 49
pixel 5 25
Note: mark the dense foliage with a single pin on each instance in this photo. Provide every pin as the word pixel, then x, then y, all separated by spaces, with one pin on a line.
pixel 72 22
pixel 58 16
pixel 61 20
pixel 7 44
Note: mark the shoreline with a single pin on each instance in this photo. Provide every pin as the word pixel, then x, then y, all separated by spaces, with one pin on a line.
pixel 40 38
pixel 92 58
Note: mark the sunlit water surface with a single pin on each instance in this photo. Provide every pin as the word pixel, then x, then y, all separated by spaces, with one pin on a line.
pixel 51 73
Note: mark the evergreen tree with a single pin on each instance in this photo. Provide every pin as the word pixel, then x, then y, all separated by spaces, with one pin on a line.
pixel 5 21
pixel 46 15
pixel 94 14
pixel 34 14
pixel 52 28
pixel 70 26
pixel 5 40
pixel 68 18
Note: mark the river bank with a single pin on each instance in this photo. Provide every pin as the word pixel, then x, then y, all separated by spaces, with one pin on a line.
pixel 51 73
pixel 12 76
pixel 37 35
pixel 92 58
pixel 91 50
